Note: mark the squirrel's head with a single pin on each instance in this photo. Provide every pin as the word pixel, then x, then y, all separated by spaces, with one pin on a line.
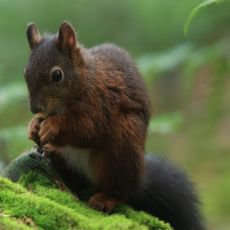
pixel 54 69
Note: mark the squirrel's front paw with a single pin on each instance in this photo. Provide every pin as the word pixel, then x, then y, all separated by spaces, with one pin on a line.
pixel 49 129
pixel 34 127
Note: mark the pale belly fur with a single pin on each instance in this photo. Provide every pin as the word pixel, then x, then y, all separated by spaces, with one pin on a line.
pixel 78 160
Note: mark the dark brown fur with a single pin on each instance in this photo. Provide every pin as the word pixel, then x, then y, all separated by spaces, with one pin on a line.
pixel 101 105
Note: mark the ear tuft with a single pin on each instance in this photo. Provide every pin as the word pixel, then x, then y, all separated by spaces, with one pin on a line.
pixel 33 35
pixel 66 36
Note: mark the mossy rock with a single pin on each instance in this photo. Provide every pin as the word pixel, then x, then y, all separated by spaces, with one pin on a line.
pixel 34 201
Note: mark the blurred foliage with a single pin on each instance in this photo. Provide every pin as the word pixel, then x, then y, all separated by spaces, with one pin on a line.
pixel 188 78
pixel 165 123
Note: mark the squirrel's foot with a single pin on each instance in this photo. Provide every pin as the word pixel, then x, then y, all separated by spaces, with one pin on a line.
pixel 101 202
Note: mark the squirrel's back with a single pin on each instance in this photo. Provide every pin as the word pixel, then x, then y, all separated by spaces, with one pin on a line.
pixel 121 76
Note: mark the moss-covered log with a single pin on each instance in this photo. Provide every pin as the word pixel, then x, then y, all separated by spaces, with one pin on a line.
pixel 34 201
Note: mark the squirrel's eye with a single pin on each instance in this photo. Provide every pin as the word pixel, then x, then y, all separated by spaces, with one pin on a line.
pixel 56 74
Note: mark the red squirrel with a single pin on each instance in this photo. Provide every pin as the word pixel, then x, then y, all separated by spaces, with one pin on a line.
pixel 91 114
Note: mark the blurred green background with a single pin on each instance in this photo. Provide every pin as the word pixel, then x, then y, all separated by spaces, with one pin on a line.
pixel 188 79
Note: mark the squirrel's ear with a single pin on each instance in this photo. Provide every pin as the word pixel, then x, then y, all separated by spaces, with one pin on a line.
pixel 33 35
pixel 66 37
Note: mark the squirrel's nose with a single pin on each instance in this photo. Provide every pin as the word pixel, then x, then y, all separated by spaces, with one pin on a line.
pixel 34 109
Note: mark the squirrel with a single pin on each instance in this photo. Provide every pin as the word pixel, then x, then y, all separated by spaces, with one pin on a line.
pixel 91 116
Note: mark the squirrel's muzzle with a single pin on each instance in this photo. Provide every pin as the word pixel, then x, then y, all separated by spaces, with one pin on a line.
pixel 35 104
pixel 35 109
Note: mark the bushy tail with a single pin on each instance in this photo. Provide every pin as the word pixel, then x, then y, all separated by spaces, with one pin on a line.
pixel 167 193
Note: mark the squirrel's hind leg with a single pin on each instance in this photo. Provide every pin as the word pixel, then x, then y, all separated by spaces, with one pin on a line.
pixel 115 179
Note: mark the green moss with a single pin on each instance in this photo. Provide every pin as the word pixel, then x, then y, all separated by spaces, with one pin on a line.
pixel 36 202
pixel 37 199
pixel 7 223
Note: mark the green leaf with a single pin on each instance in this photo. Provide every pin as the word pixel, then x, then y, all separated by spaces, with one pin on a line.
pixel 196 10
